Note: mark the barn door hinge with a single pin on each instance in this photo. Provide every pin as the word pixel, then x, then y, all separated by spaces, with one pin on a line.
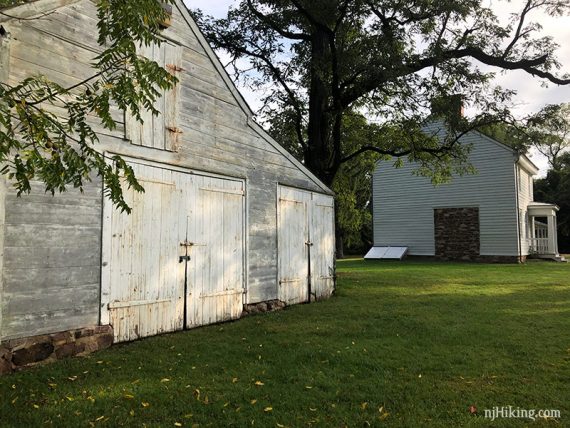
pixel 175 130
pixel 309 243
pixel 175 68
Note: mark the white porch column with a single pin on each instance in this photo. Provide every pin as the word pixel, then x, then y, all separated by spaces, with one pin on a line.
pixel 552 235
pixel 555 238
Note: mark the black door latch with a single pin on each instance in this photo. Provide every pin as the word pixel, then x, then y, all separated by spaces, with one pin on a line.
pixel 184 259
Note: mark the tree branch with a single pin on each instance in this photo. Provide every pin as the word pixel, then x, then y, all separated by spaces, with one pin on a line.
pixel 274 26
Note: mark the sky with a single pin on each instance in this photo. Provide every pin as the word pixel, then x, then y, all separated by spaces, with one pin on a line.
pixel 531 93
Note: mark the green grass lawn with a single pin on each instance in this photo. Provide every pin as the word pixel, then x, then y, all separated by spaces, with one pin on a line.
pixel 408 344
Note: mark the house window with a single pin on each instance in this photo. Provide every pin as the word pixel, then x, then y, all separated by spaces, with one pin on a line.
pixel 162 131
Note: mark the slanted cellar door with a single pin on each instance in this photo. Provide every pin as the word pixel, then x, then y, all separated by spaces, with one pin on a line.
pixel 306 245
pixel 178 259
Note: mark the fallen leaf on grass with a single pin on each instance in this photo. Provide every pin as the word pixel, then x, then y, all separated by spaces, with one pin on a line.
pixel 177 424
pixel 259 383
pixel 268 409
pixel 364 405
pixel 129 396
pixel 145 404
pixel 234 380
pixel 253 401
pixel 100 418
pixel 164 380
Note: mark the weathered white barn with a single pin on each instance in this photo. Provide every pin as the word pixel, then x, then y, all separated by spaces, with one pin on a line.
pixel 488 216
pixel 228 219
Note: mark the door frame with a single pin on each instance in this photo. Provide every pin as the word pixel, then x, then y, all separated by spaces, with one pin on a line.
pixel 106 233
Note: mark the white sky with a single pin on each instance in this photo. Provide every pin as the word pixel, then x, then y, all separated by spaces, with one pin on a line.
pixel 531 93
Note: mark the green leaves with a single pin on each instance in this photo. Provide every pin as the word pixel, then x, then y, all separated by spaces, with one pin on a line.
pixel 48 132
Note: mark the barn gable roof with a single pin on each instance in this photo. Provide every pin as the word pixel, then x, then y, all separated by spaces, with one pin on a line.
pixel 38 8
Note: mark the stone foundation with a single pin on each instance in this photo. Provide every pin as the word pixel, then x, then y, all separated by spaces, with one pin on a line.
pixel 17 354
pixel 457 235
pixel 269 306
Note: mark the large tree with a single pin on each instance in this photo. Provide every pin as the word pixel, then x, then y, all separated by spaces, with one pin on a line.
pixel 392 60
pixel 353 182
pixel 549 132
pixel 61 149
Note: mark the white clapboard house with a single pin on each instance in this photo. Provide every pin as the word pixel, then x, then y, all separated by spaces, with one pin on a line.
pixel 488 216
pixel 228 219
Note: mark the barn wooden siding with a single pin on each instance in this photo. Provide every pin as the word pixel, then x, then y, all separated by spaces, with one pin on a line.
pixel 53 244
pixel 404 203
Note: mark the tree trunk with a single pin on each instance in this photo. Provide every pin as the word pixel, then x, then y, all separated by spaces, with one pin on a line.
pixel 319 156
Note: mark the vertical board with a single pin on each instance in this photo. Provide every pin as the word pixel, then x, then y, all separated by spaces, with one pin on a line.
pixel 293 235
pixel 171 99
pixel 216 230
pixel 4 77
pixel 145 276
pixel 323 248
pixel 2 228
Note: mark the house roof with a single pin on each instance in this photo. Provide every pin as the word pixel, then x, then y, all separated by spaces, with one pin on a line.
pixel 520 158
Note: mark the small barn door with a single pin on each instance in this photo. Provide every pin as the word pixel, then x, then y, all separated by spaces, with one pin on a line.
pixel 216 234
pixel 293 242
pixel 305 245
pixel 323 246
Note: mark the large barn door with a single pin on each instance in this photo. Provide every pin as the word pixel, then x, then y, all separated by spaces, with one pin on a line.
pixel 216 268
pixel 178 256
pixel 145 277
pixel 323 246
pixel 305 245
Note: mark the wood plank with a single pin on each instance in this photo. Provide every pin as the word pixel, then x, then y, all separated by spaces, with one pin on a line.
pixel 34 9
pixel 20 304
pixel 5 42
pixel 2 250
pixel 52 321
pixel 51 257
pixel 22 279
pixel 44 235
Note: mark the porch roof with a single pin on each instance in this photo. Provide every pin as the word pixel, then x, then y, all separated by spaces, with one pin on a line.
pixel 541 209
